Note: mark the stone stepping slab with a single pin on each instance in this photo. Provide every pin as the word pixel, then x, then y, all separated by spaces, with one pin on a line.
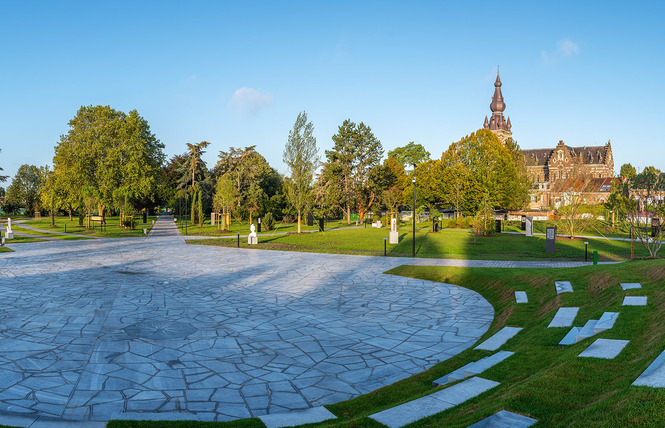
pixel 289 419
pixel 634 301
pixel 564 317
pixel 505 419
pixel 654 375
pixel 499 338
pixel 604 348
pixel 586 331
pixel 605 322
pixel 432 404
pixel 591 328
pixel 472 369
pixel 563 287
pixel 571 337
pixel 630 285
pixel 520 297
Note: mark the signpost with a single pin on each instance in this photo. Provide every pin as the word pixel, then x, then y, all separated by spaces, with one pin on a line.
pixel 550 239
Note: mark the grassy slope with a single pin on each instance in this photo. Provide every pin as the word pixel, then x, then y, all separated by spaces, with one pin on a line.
pixel 542 380
pixel 451 243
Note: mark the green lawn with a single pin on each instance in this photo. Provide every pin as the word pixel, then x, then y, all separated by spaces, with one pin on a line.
pixel 598 228
pixel 242 227
pixel 21 239
pixel 449 243
pixel 111 230
pixel 47 234
pixel 542 379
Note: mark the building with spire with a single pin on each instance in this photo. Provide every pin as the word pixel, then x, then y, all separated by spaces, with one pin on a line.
pixel 497 123
pixel 555 171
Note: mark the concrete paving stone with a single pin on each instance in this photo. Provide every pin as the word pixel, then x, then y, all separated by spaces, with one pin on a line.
pixel 505 419
pixel 521 297
pixel 570 337
pixel 604 348
pixel 654 375
pixel 256 317
pixel 17 421
pixel 563 287
pixel 499 338
pixel 586 331
pixel 434 403
pixel 564 317
pixel 605 322
pixel 630 285
pixel 634 301
pixel 309 416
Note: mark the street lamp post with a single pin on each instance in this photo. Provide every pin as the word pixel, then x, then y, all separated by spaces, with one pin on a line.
pixel 413 249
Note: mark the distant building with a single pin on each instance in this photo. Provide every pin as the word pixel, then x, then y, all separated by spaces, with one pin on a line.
pixel 591 167
pixel 587 169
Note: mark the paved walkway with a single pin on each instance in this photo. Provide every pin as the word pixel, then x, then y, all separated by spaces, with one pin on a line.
pixel 153 328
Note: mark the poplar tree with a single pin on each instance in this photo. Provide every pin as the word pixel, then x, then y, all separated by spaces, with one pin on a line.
pixel 301 158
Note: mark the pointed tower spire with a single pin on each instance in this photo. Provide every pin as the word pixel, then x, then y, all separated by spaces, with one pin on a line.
pixel 497 123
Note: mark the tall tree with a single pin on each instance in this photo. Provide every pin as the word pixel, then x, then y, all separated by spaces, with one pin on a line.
pixel 225 194
pixel 486 170
pixel 106 149
pixel 410 154
pixel 196 164
pixel 24 189
pixel 643 188
pixel 573 208
pixel 301 158
pixel 357 152
pixel 627 171
pixel 244 167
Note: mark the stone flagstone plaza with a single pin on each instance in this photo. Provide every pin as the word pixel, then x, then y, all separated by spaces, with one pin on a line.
pixel 152 328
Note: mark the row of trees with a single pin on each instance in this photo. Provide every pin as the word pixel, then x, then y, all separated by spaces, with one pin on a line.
pixel 110 161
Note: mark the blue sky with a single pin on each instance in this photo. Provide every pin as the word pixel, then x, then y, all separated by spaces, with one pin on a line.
pixel 237 73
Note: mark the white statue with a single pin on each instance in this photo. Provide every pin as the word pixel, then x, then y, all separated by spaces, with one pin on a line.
pixel 8 233
pixel 252 239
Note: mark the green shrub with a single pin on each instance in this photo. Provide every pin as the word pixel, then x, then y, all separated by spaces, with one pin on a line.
pixel 463 222
pixel 268 221
pixel 129 223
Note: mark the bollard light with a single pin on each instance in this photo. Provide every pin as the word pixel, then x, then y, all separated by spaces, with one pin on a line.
pixel 385 240
pixel 586 251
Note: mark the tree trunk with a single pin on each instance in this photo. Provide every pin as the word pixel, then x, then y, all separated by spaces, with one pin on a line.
pixel 348 213
pixel 612 219
pixel 298 221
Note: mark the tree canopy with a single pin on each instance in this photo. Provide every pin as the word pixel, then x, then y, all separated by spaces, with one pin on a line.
pixel 357 153
pixel 23 192
pixel 410 154
pixel 106 149
pixel 627 171
pixel 479 167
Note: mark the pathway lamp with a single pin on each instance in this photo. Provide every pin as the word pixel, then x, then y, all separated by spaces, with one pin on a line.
pixel 413 249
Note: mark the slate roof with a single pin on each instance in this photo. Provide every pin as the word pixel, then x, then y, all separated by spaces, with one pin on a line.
pixel 587 155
